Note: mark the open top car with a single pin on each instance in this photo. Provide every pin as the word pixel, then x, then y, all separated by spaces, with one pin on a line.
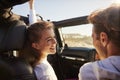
pixel 73 49
pixel 67 61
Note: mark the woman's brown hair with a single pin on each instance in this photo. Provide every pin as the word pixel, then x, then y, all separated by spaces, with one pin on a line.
pixel 34 34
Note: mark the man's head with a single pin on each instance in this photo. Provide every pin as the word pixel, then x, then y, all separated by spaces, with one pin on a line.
pixel 106 30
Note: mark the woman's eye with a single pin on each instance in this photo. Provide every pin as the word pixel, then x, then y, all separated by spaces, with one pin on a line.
pixel 49 39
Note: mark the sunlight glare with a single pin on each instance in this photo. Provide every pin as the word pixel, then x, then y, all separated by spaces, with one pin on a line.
pixel 116 1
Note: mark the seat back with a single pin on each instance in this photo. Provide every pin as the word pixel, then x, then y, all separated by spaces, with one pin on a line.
pixel 5 71
pixel 12 37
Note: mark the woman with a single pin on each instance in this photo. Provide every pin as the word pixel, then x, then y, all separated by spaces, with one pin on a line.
pixel 40 43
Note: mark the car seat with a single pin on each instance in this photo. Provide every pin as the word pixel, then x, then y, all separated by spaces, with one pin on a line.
pixel 12 38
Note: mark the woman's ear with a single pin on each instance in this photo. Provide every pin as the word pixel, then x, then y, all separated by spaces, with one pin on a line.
pixel 35 45
pixel 104 38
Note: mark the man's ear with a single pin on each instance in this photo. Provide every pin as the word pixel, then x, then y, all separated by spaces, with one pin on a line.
pixel 104 38
pixel 35 45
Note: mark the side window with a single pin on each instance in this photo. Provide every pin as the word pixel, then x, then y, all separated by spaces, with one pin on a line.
pixel 78 36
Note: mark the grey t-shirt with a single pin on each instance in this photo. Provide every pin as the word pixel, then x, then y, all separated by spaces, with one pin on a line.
pixel 107 69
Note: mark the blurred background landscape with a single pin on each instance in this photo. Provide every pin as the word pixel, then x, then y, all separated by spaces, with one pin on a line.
pixel 78 40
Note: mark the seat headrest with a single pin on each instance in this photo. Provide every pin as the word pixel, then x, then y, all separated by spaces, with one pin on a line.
pixel 12 37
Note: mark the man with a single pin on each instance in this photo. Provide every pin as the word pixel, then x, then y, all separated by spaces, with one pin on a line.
pixel 106 40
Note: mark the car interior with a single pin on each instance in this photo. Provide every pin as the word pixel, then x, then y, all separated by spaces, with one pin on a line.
pixel 12 39
pixel 66 62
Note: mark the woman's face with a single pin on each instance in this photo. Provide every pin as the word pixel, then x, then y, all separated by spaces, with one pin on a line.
pixel 47 43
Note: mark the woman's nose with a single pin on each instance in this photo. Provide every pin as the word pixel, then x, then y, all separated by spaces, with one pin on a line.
pixel 54 41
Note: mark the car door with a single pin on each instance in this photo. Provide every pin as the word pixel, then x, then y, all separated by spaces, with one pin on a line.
pixel 70 58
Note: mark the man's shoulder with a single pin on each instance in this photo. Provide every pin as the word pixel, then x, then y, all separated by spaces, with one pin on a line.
pixel 87 71
pixel 87 67
pixel 89 64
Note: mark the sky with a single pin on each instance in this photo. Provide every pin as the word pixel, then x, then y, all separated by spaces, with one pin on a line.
pixel 56 10
pixel 62 9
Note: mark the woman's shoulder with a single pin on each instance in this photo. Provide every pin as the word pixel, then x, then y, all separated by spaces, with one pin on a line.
pixel 44 72
pixel 42 66
pixel 41 69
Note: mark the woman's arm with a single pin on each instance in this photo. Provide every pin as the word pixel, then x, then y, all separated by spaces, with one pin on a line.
pixel 32 14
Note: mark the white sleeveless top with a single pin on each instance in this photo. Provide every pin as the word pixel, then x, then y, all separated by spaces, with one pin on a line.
pixel 44 71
